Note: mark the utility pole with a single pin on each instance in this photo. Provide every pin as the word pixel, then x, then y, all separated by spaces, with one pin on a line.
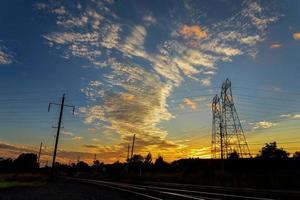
pixel 133 140
pixel 128 152
pixel 62 105
pixel 39 156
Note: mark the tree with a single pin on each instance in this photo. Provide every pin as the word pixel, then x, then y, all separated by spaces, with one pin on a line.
pixel 233 155
pixel 82 166
pixel 26 162
pixel 159 162
pixel 148 159
pixel 297 154
pixel 272 151
pixel 97 164
pixel 137 158
pixel 6 164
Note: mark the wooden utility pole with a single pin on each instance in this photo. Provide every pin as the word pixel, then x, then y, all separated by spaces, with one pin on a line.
pixel 62 105
pixel 132 148
pixel 39 156
pixel 128 152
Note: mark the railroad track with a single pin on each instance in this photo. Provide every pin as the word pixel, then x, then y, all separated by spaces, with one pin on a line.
pixel 150 191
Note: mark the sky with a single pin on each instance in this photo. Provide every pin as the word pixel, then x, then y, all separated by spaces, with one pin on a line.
pixel 149 68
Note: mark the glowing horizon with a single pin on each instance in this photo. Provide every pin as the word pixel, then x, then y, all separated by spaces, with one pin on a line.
pixel 146 68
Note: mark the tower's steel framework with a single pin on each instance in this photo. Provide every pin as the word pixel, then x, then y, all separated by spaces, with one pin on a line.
pixel 217 135
pixel 227 132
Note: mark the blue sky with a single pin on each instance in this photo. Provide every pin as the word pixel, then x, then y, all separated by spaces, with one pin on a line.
pixel 146 67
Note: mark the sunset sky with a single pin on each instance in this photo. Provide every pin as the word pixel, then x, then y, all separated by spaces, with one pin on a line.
pixel 149 68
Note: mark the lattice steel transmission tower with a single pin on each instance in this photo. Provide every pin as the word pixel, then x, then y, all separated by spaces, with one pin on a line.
pixel 217 134
pixel 227 134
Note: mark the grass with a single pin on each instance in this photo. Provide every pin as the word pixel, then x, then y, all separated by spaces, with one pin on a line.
pixel 11 184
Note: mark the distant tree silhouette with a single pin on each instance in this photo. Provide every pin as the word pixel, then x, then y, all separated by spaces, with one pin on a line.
pixel 6 165
pixel 271 151
pixel 148 159
pixel 26 162
pixel 160 164
pixel 82 166
pixel 297 154
pixel 137 158
pixel 233 155
pixel 97 164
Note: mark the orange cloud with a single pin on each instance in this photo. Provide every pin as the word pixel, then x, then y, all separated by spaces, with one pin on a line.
pixel 191 103
pixel 195 30
pixel 275 46
pixel 296 36
pixel 128 97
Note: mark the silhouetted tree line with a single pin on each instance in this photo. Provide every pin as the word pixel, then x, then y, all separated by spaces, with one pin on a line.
pixel 272 167
pixel 26 162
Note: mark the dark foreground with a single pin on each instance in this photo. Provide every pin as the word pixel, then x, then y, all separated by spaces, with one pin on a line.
pixel 81 189
pixel 64 190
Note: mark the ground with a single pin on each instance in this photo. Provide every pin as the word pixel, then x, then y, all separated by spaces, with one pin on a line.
pixel 63 190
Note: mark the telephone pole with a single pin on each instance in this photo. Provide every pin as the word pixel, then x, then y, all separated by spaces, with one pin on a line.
pixel 62 105
pixel 128 152
pixel 132 148
pixel 39 156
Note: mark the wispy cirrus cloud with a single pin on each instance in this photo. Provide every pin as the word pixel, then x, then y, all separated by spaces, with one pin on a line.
pixel 131 94
pixel 5 55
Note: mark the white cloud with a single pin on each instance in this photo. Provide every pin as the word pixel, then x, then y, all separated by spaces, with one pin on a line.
pixel 250 40
pixel 60 11
pixel 255 12
pixel 206 81
pixel 5 56
pixel 40 6
pixel 110 36
pixel 67 133
pixel 134 44
pixel 264 125
pixel 77 138
pixel 78 44
pixel 150 19
pixel 92 114
pixel 73 22
pixel 291 116
pixel 95 140
pixel 297 116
